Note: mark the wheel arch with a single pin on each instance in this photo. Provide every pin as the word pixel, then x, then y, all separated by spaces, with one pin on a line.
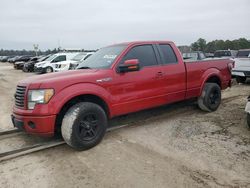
pixel 76 99
pixel 211 76
pixel 67 97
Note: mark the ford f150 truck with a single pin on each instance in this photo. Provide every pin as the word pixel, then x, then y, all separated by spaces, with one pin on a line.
pixel 116 80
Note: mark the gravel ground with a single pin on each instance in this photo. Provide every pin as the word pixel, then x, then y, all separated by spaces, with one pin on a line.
pixel 172 146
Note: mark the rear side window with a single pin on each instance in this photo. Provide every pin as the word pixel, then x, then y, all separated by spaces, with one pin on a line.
pixel 145 54
pixel 167 54
pixel 243 53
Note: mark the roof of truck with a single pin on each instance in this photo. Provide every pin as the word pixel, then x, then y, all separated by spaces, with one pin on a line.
pixel 141 42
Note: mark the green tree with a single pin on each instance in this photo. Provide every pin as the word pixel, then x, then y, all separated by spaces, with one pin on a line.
pixel 199 45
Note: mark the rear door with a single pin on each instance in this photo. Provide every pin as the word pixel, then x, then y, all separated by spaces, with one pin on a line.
pixel 141 89
pixel 174 73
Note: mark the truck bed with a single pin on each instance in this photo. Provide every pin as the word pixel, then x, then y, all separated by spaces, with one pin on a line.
pixel 197 70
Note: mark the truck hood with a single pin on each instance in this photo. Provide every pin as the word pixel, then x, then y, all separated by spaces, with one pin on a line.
pixel 61 80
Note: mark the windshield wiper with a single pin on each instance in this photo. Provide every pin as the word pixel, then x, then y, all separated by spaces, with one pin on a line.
pixel 84 68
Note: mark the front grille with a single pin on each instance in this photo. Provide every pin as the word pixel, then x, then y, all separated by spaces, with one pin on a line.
pixel 247 73
pixel 19 96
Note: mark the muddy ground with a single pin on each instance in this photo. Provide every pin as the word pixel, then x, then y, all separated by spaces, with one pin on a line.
pixel 172 146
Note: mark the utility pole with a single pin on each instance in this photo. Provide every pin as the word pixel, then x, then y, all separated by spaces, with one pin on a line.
pixel 35 48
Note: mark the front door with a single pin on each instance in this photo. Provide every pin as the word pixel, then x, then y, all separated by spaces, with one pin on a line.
pixel 133 91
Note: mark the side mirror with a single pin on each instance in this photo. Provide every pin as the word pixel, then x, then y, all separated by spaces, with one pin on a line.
pixel 129 66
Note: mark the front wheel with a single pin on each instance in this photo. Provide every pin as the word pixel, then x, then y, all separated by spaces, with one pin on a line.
pixel 84 125
pixel 210 98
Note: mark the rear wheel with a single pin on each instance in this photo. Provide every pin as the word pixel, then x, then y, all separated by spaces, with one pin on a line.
pixel 240 79
pixel 210 98
pixel 84 125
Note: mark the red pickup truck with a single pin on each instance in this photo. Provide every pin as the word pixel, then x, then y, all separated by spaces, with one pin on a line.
pixel 116 80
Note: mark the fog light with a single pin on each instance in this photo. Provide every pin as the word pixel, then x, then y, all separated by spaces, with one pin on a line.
pixel 31 124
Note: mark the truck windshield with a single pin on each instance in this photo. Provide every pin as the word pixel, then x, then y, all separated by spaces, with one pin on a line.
pixel 103 58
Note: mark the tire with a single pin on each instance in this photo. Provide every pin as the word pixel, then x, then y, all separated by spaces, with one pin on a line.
pixel 25 69
pixel 240 79
pixel 84 125
pixel 248 119
pixel 48 70
pixel 210 98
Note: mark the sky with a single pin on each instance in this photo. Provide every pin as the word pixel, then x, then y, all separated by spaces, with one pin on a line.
pixel 91 24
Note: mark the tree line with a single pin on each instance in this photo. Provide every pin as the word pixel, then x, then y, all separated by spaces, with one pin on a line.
pixel 200 45
pixel 211 47
pixel 27 52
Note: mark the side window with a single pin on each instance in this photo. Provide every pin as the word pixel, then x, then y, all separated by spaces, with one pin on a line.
pixel 145 54
pixel 167 54
pixel 60 58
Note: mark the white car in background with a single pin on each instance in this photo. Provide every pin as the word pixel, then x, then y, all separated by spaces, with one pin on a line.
pixel 47 65
pixel 71 63
pixel 241 70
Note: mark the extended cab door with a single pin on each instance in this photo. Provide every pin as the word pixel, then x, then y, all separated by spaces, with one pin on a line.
pixel 133 91
pixel 174 73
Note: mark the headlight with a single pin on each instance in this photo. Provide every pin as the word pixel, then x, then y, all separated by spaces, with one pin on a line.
pixel 40 96
pixel 40 65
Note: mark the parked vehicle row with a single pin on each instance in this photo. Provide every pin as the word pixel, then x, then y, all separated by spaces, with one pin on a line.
pixel 13 59
pixel 49 63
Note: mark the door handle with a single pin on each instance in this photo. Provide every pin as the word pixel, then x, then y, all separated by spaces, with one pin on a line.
pixel 159 74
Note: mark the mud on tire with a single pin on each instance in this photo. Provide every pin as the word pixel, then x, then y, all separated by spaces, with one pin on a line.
pixel 84 125
pixel 210 98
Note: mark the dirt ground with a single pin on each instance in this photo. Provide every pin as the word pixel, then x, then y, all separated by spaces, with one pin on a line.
pixel 172 146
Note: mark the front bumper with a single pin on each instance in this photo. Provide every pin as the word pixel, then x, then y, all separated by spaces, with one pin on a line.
pixel 240 73
pixel 38 125
pixel 247 108
pixel 39 69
